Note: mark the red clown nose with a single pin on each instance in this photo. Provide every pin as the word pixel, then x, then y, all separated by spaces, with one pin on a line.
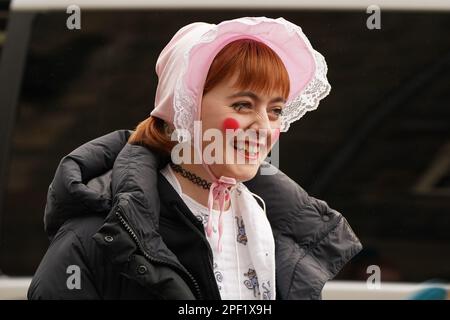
pixel 230 123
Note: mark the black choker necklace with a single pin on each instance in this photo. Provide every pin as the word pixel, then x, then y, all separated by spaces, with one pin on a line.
pixel 192 177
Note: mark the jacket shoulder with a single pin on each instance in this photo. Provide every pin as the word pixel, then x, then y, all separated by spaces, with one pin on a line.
pixel 69 268
pixel 84 227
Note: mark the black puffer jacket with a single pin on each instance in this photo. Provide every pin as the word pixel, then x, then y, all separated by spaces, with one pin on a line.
pixel 112 214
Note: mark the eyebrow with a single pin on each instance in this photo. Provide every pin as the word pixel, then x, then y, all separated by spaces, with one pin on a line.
pixel 254 96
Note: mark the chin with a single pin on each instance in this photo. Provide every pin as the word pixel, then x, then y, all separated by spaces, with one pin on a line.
pixel 240 172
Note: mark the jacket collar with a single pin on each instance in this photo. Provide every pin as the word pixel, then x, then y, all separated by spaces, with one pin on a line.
pixel 82 181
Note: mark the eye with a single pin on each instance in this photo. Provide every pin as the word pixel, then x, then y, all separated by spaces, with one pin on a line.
pixel 238 106
pixel 276 112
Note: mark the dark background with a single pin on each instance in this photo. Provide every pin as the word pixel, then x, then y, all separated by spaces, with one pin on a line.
pixel 377 149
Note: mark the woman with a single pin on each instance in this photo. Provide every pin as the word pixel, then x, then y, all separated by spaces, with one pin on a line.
pixel 185 220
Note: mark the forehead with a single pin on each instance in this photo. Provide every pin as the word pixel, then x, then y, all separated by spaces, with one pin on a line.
pixel 230 87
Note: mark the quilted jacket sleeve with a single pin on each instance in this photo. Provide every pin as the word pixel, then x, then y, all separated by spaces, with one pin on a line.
pixel 313 240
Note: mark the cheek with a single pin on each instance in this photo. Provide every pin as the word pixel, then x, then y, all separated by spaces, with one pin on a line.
pixel 230 124
pixel 275 136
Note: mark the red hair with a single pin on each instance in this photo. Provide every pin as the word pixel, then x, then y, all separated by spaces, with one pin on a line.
pixel 259 69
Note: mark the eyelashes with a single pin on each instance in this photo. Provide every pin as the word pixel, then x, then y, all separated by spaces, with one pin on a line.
pixel 239 106
pixel 278 111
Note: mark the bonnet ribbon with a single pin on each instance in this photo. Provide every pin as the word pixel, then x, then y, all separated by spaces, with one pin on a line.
pixel 218 192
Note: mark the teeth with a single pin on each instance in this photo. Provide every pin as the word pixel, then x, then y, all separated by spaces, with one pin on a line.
pixel 240 146
pixel 252 150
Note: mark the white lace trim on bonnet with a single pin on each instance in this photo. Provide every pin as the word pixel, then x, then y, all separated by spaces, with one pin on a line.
pixel 185 106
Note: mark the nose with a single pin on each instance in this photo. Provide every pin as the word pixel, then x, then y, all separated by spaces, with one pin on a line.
pixel 260 121
pixel 261 125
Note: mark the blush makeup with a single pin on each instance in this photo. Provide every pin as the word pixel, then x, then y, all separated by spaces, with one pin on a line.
pixel 230 123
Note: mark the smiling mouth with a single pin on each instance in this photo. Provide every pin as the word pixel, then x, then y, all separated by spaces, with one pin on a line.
pixel 249 150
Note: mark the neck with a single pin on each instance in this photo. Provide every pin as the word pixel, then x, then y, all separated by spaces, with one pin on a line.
pixel 195 191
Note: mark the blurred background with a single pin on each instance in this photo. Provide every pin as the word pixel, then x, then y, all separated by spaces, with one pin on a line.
pixel 377 149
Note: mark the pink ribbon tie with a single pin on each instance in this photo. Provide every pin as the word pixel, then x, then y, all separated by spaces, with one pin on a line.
pixel 218 192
